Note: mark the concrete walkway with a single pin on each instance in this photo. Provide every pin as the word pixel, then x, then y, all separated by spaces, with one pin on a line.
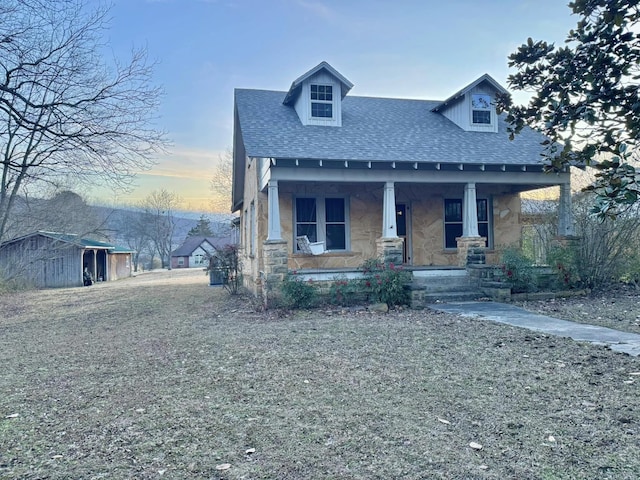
pixel 518 317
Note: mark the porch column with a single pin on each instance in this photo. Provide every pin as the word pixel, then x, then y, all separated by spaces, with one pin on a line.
pixel 273 213
pixel 389 229
pixel 95 265
pixel 565 217
pixel 470 212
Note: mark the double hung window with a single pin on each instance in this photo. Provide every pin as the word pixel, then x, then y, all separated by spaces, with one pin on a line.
pixel 321 101
pixel 453 220
pixel 481 109
pixel 322 220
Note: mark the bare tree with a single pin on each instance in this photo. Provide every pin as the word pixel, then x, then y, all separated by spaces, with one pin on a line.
pixel 63 110
pixel 221 183
pixel 135 229
pixel 159 208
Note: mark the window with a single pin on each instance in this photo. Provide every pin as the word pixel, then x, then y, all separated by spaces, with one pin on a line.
pixel 453 220
pixel 481 109
pixel 322 220
pixel 322 101
pixel 198 259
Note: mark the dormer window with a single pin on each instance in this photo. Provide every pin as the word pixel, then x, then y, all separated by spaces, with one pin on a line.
pixel 321 101
pixel 481 109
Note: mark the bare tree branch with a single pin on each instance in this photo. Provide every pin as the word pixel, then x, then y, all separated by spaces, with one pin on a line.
pixel 63 110
pixel 221 183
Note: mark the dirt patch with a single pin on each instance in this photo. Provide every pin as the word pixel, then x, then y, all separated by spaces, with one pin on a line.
pixel 163 376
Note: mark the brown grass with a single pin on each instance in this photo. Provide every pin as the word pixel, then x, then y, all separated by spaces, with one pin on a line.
pixel 163 376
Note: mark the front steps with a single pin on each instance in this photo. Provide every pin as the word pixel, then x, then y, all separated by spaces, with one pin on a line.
pixel 451 285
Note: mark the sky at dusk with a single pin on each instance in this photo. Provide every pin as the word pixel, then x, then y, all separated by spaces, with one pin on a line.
pixel 204 49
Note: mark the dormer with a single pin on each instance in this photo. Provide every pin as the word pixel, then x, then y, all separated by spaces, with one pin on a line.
pixel 474 107
pixel 317 96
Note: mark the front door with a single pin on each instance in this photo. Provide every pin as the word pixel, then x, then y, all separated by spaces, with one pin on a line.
pixel 403 225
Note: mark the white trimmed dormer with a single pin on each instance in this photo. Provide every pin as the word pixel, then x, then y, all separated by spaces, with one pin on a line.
pixel 317 96
pixel 474 107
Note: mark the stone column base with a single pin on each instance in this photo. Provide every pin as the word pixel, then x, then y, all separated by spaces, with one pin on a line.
pixel 471 250
pixel 567 240
pixel 274 258
pixel 390 250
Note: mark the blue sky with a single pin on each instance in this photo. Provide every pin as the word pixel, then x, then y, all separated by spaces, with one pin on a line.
pixel 405 49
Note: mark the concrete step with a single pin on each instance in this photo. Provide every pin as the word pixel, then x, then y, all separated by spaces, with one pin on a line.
pixel 422 298
pixel 444 280
pixel 441 286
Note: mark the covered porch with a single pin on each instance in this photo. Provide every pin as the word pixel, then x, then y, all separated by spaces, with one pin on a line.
pixel 416 222
pixel 423 216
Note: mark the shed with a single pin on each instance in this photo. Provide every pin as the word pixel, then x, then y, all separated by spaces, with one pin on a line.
pixel 51 259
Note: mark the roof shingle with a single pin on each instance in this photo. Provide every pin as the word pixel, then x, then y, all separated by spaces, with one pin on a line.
pixel 376 129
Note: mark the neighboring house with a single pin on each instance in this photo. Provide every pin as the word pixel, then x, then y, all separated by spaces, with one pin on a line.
pixel 413 181
pixel 49 259
pixel 195 251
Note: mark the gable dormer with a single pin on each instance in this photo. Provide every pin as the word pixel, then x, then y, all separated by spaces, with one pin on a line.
pixel 474 107
pixel 317 96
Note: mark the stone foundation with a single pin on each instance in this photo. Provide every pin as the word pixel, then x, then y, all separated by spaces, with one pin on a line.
pixel 471 250
pixel 275 257
pixel 390 250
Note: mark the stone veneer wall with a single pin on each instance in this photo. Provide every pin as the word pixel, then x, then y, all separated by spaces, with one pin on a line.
pixel 425 204
pixel 365 221
pixel 250 263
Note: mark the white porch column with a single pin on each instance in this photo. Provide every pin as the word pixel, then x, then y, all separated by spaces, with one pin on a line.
pixel 95 265
pixel 470 212
pixel 389 229
pixel 565 216
pixel 273 212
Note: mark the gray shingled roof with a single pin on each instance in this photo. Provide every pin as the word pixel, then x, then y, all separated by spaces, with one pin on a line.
pixel 191 243
pixel 375 129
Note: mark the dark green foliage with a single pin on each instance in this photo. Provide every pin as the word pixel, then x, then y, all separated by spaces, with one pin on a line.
pixel 298 293
pixel 345 291
pixel 226 260
pixel 564 263
pixel 202 229
pixel 518 271
pixel 586 97
pixel 386 282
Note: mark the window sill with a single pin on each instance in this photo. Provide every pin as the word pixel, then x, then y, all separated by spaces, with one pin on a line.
pixel 341 253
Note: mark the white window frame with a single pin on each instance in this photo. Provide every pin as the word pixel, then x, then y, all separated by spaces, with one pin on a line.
pixel 481 109
pixel 322 101
pixel 321 220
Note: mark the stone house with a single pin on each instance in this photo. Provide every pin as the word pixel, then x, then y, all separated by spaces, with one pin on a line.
pixel 418 182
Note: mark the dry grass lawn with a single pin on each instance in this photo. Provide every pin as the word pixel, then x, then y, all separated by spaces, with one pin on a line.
pixel 162 376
